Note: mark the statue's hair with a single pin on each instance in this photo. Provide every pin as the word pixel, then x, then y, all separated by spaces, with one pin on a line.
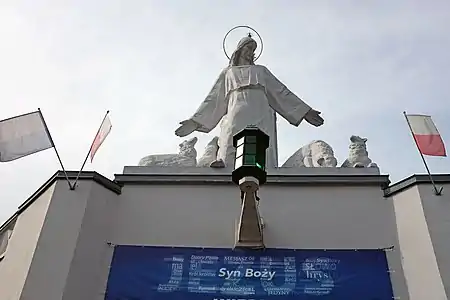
pixel 234 60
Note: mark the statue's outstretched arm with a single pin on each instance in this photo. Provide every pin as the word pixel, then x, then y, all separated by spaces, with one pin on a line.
pixel 213 108
pixel 283 101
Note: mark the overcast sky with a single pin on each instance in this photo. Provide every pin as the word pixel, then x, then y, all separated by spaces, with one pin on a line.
pixel 151 63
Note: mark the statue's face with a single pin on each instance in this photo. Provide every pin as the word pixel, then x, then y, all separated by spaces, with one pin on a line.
pixel 248 52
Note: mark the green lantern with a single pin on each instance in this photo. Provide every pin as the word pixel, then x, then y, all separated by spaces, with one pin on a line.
pixel 251 145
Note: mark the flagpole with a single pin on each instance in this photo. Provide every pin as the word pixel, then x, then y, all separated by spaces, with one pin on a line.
pixel 54 147
pixel 87 155
pixel 437 191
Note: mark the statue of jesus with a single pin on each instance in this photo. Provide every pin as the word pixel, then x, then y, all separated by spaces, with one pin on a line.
pixel 247 94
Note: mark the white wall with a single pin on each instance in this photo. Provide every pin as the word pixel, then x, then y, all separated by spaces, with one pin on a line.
pixel 57 243
pixel 437 215
pixel 71 259
pixel 295 217
pixel 418 258
pixel 87 278
pixel 22 245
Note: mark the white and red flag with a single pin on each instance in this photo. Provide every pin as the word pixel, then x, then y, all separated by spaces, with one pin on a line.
pixel 102 133
pixel 100 137
pixel 23 135
pixel 427 137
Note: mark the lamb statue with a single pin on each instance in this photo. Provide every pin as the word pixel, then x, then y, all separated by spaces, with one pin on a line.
pixel 315 154
pixel 358 156
pixel 210 154
pixel 187 157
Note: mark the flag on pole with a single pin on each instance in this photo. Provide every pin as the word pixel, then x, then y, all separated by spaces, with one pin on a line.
pixel 426 135
pixel 23 135
pixel 102 133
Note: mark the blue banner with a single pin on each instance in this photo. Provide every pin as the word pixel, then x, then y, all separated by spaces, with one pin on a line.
pixel 165 273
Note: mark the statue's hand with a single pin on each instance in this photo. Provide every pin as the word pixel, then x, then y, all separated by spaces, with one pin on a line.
pixel 187 127
pixel 313 117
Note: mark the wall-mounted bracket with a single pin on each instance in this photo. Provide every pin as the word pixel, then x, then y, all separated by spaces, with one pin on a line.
pixel 249 231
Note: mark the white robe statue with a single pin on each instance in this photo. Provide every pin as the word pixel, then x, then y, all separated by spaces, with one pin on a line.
pixel 247 94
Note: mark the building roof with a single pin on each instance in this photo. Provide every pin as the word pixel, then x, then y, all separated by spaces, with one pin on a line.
pixel 136 175
pixel 413 180
pixel 59 175
pixel 284 176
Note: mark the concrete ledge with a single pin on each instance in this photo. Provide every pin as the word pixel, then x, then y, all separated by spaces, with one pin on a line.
pixel 415 180
pixel 59 175
pixel 227 171
pixel 290 176
pixel 85 175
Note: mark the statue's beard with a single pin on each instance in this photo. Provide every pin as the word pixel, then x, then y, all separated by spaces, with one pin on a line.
pixel 247 59
pixel 242 58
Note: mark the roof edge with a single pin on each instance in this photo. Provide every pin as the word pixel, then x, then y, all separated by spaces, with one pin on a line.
pixel 413 180
pixel 60 175
pixel 379 180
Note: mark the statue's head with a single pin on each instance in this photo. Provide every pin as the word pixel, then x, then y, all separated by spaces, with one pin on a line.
pixel 188 144
pixel 327 161
pixel 358 140
pixel 358 145
pixel 244 53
